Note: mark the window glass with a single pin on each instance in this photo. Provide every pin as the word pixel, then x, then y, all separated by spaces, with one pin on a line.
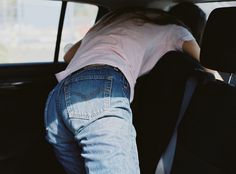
pixel 78 20
pixel 28 30
pixel 208 7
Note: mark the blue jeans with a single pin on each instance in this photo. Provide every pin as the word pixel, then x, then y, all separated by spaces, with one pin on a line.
pixel 88 121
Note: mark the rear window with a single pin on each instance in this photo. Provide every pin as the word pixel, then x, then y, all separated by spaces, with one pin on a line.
pixel 28 28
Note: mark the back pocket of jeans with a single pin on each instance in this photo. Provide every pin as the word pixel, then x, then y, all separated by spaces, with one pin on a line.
pixel 88 97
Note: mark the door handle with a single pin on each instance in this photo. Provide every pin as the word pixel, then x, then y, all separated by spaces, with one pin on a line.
pixel 13 85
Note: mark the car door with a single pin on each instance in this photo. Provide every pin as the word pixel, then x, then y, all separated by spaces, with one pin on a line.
pixel 32 39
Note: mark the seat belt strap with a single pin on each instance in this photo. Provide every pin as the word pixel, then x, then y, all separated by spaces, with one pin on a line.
pixel 166 161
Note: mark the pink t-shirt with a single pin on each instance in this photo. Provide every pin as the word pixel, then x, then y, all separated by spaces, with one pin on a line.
pixel 132 48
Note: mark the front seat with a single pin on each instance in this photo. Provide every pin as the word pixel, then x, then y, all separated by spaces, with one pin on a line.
pixel 156 105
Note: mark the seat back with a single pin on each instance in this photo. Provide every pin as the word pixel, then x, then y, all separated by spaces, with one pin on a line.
pixel 156 106
pixel 219 41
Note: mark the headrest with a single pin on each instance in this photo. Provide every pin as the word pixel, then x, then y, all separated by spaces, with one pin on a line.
pixel 218 49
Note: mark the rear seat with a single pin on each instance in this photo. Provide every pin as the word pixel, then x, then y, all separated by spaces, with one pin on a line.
pixel 206 137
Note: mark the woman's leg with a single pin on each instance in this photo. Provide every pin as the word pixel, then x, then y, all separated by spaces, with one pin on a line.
pixel 65 147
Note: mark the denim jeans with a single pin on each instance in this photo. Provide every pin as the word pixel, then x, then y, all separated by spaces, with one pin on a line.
pixel 88 121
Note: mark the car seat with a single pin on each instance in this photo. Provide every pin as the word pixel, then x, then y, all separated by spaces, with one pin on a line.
pixel 157 103
pixel 206 136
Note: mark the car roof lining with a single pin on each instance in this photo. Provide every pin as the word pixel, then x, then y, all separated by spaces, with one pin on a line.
pixel 111 4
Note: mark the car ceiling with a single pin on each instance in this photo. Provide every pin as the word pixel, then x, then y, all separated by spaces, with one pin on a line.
pixel 111 4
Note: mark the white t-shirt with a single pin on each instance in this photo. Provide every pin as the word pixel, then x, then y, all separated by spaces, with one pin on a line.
pixel 134 49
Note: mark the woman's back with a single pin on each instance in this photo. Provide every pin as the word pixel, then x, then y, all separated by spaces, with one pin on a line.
pixel 129 43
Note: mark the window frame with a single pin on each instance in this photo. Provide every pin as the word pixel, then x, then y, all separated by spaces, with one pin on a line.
pixel 59 31
pixel 101 11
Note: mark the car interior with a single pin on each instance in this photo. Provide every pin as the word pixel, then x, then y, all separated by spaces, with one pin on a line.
pixel 202 112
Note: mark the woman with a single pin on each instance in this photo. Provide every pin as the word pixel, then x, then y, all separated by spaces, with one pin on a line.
pixel 88 117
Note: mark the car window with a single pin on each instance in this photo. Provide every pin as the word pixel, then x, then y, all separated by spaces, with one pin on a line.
pixel 78 20
pixel 28 30
pixel 208 7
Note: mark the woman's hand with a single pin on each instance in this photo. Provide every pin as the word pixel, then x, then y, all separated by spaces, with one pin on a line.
pixel 192 48
pixel 71 52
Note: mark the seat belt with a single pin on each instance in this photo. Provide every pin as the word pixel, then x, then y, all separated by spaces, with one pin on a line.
pixel 165 163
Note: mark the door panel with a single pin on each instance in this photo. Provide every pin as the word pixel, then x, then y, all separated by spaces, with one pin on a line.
pixel 23 92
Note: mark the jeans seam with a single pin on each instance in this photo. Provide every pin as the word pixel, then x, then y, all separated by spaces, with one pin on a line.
pixel 107 93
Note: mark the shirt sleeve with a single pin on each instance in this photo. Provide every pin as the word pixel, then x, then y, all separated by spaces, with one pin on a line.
pixel 180 34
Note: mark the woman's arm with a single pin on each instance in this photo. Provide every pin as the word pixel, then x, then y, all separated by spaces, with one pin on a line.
pixel 192 48
pixel 71 52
